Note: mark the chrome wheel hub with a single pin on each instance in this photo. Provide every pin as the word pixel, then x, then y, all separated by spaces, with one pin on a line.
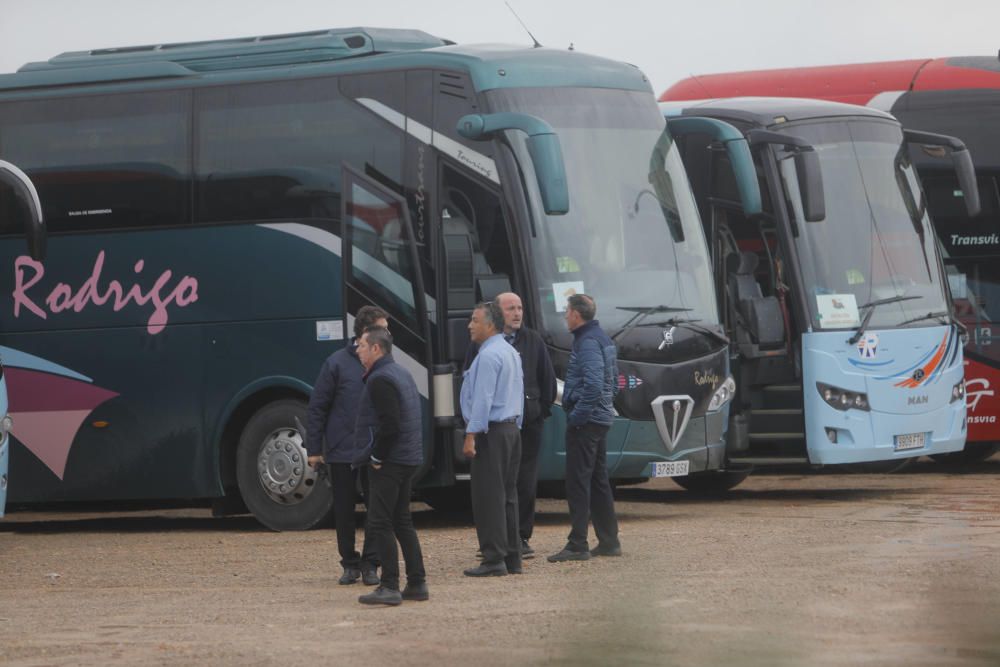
pixel 282 468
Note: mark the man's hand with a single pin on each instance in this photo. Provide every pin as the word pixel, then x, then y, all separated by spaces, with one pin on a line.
pixel 469 448
pixel 315 462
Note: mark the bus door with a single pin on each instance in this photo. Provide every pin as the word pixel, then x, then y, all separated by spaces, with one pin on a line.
pixel 380 268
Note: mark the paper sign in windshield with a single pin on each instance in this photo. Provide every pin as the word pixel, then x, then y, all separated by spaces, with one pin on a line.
pixel 563 291
pixel 837 310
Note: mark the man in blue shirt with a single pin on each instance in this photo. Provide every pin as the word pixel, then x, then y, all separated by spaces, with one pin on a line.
pixel 493 404
pixel 588 395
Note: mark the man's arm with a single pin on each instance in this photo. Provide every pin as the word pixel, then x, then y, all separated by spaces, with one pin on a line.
pixel 546 378
pixel 385 398
pixel 487 372
pixel 591 383
pixel 320 402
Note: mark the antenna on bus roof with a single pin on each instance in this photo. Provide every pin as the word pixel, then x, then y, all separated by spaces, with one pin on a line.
pixel 537 45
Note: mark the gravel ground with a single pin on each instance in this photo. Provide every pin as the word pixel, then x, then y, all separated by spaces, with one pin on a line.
pixel 789 569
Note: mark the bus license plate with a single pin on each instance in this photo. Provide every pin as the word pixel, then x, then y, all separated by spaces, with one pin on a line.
pixel 670 468
pixel 910 441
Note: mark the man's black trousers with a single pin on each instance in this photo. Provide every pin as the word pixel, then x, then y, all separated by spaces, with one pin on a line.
pixel 345 497
pixel 389 520
pixel 527 476
pixel 588 490
pixel 494 493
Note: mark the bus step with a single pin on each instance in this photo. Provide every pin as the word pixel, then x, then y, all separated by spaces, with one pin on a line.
pixel 770 460
pixel 779 397
pixel 778 436
pixel 777 420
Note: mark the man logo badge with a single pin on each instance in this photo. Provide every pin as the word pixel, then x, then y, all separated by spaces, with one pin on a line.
pixel 918 375
pixel 672 414
pixel 668 338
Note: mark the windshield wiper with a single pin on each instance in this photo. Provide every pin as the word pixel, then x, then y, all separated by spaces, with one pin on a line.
pixel 691 326
pixel 929 316
pixel 871 305
pixel 642 312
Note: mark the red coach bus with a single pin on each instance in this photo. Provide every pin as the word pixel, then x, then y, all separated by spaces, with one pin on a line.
pixel 954 96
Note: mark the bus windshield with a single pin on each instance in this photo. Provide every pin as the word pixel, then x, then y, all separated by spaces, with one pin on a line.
pixel 632 238
pixel 876 243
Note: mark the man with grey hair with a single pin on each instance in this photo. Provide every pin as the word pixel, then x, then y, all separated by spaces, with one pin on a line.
pixel 539 395
pixel 492 401
pixel 588 393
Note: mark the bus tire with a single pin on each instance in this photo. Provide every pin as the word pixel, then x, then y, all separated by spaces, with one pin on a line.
pixel 712 483
pixel 277 485
pixel 974 452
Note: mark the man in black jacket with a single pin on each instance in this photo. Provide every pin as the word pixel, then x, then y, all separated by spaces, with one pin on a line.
pixel 333 409
pixel 539 394
pixel 390 427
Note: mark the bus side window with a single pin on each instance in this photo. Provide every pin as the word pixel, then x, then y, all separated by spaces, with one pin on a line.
pixel 104 162
pixel 469 209
pixel 274 150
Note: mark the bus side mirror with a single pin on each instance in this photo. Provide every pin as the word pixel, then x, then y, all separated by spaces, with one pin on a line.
pixel 810 184
pixel 737 149
pixel 807 169
pixel 543 148
pixel 961 159
pixel 24 191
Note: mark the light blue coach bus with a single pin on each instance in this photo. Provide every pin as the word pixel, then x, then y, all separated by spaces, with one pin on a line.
pixel 845 349
pixel 217 211
pixel 19 209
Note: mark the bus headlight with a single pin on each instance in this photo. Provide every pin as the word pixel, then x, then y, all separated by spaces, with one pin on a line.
pixel 722 395
pixel 958 391
pixel 6 424
pixel 842 399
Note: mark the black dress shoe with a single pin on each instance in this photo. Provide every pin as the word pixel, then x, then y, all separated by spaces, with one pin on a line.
pixel 350 575
pixel 566 555
pixel 487 570
pixel 369 577
pixel 601 550
pixel 526 550
pixel 417 592
pixel 382 595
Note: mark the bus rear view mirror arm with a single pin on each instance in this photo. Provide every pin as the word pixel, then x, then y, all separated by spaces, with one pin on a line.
pixel 961 159
pixel 24 191
pixel 807 168
pixel 737 149
pixel 543 147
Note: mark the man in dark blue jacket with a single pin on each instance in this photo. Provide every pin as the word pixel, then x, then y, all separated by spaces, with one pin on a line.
pixel 333 409
pixel 588 394
pixel 390 427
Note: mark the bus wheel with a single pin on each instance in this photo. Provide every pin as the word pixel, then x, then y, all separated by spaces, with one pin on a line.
pixel 712 483
pixel 277 485
pixel 974 452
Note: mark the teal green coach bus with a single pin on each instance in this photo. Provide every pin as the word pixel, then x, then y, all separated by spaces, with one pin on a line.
pixel 217 211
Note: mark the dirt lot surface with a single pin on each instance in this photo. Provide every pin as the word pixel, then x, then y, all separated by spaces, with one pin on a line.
pixel 791 569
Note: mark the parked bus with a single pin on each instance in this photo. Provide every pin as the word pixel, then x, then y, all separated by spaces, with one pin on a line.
pixel 218 211
pixel 957 96
pixel 21 212
pixel 835 297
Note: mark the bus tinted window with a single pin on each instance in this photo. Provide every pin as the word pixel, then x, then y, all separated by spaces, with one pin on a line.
pixel 274 150
pixel 380 250
pixel 104 162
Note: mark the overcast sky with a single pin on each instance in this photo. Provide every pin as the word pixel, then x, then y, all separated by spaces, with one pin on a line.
pixel 668 39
